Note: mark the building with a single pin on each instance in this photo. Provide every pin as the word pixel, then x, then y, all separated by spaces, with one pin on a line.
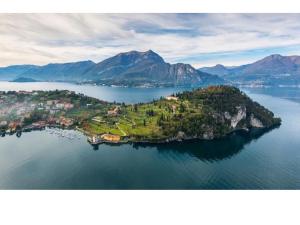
pixel 50 102
pixel 3 123
pixel 172 98
pixel 111 137
pixel 39 124
pixel 51 120
pixel 68 106
pixel 25 92
pixel 114 112
pixel 14 125
pixel 60 105
pixel 66 122
pixel 53 111
pixel 94 140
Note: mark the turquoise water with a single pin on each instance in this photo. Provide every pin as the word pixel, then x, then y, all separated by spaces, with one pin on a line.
pixel 64 159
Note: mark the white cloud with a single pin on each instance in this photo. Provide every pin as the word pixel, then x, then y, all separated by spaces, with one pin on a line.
pixel 45 38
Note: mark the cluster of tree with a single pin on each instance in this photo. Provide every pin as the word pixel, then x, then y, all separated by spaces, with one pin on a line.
pixel 150 112
pixel 207 112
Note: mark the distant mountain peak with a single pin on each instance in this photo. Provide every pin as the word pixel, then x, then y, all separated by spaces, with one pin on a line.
pixel 276 56
pixel 135 55
pixel 272 58
pixel 274 69
pixel 220 66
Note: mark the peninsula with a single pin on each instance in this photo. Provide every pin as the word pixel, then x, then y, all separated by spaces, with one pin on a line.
pixel 204 113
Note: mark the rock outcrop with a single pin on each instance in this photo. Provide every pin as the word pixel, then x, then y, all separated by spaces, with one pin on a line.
pixel 255 122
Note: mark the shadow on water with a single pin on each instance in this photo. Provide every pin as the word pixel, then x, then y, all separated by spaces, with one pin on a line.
pixel 212 150
pixel 205 150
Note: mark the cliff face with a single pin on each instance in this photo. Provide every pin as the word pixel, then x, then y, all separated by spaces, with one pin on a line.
pixel 217 111
pixel 235 119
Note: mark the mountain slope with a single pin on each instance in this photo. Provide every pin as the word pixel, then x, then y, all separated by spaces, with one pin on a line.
pixel 271 70
pixel 137 68
pixel 217 69
pixel 12 72
pixel 59 71
pixel 127 69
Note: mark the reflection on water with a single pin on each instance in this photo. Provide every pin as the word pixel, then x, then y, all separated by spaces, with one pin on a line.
pixel 205 150
pixel 212 150
pixel 290 93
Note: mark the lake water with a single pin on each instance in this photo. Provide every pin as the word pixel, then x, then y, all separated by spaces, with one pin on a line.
pixel 46 160
pixel 118 94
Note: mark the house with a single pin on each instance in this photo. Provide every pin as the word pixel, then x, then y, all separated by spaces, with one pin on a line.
pixel 172 98
pixel 14 125
pixel 114 112
pixel 68 106
pixel 25 92
pixel 50 102
pixel 53 111
pixel 3 123
pixel 51 120
pixel 111 137
pixel 60 105
pixel 39 124
pixel 66 122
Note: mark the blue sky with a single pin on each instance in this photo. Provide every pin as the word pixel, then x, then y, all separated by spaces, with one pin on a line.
pixel 198 39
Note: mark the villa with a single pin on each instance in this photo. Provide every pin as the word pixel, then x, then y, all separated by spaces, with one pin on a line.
pixel 114 112
pixel 172 98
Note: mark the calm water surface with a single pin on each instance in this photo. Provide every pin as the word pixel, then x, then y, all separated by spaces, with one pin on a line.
pixel 46 160
pixel 118 94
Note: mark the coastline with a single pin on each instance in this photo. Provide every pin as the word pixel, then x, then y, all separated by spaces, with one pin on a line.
pixel 204 114
pixel 142 142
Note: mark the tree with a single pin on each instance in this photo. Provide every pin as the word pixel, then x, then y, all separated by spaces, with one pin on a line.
pixel 181 108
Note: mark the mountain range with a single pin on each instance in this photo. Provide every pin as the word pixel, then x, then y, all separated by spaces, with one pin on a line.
pixel 271 70
pixel 130 68
pixel 12 72
pixel 149 69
